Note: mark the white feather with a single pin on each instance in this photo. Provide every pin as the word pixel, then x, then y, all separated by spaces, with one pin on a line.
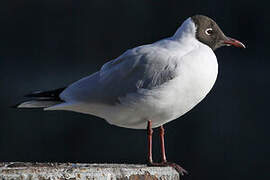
pixel 158 82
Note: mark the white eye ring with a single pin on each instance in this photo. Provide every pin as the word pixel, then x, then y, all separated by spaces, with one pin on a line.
pixel 209 31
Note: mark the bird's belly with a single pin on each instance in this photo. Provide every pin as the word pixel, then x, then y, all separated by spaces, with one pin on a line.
pixel 162 104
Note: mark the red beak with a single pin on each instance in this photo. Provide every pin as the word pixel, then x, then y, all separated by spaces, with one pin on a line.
pixel 234 42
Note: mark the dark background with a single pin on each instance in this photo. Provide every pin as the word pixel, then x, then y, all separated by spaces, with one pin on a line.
pixel 50 44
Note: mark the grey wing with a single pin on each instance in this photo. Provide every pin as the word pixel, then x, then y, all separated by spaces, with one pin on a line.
pixel 144 67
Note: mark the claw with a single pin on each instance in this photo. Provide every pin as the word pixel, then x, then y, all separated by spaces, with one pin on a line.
pixel 178 168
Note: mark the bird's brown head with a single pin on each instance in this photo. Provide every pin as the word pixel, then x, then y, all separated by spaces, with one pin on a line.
pixel 209 33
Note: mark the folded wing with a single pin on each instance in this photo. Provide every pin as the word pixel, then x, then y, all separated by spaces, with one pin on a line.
pixel 144 67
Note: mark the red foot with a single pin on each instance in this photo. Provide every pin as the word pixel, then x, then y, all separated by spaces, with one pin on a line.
pixel 178 168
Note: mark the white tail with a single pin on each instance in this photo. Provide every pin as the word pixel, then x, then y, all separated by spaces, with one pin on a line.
pixel 37 104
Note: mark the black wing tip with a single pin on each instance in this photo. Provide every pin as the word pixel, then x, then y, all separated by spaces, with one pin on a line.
pixel 52 95
pixel 45 94
pixel 32 94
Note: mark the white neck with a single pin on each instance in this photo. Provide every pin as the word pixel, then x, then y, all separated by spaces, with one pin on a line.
pixel 186 31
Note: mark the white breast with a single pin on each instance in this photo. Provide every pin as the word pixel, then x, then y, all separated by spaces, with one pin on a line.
pixel 197 73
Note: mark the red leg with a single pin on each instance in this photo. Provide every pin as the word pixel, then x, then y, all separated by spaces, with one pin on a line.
pixel 164 160
pixel 149 137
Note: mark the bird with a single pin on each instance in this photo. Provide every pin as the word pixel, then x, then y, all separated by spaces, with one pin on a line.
pixel 149 85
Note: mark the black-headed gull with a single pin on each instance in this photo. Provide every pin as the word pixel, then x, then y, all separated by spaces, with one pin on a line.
pixel 149 85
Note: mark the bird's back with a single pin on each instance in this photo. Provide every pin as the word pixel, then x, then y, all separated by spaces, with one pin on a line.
pixel 147 82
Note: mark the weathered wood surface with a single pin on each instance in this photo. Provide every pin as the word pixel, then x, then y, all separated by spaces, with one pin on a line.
pixel 70 171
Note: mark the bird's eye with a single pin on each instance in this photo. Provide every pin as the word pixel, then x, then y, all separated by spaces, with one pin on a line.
pixel 209 31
